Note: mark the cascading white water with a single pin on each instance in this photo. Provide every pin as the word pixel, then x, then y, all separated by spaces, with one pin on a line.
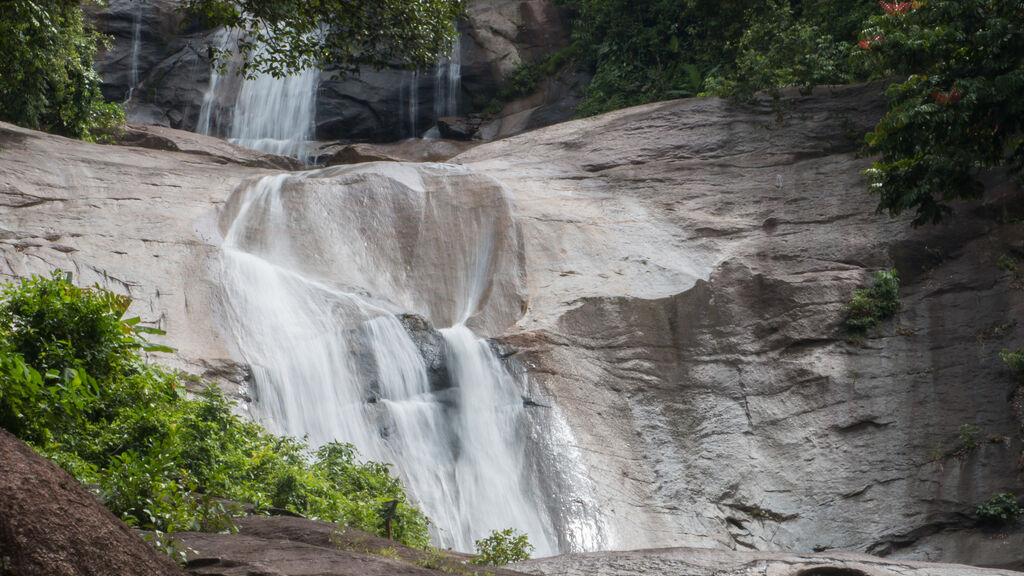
pixel 317 265
pixel 411 96
pixel 276 115
pixel 448 83
pixel 210 108
pixel 133 71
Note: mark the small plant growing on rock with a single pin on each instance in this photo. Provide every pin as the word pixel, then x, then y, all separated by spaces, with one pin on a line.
pixel 503 547
pixel 869 306
pixel 968 438
pixel 1015 360
pixel 1001 509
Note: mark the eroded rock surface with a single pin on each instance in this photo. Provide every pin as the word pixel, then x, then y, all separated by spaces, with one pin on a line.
pixel 51 526
pixel 137 221
pixel 704 562
pixel 688 263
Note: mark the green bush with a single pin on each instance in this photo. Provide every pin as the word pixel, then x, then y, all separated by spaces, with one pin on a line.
pixel 1015 361
pixel 650 50
pixel 47 81
pixel 869 306
pixel 1001 509
pixel 72 385
pixel 503 547
pixel 956 109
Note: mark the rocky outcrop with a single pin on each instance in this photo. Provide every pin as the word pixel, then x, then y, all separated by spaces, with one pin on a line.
pixel 161 138
pixel 405 151
pixel 157 61
pixel 703 562
pixel 289 546
pixel 685 267
pixel 51 526
pixel 688 265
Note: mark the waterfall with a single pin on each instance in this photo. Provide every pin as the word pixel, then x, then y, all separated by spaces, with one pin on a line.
pixel 276 115
pixel 210 108
pixel 448 83
pixel 331 278
pixel 133 73
pixel 412 105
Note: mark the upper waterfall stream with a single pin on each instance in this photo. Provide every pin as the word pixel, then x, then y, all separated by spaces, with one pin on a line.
pixel 334 280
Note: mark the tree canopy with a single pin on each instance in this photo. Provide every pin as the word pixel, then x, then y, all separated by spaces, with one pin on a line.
pixel 958 112
pixel 957 68
pixel 280 37
pixel 46 77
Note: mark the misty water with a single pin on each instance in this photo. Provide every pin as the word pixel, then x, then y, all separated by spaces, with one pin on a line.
pixel 332 278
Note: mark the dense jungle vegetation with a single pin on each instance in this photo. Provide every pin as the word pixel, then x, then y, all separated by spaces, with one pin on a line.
pixel 957 68
pixel 72 384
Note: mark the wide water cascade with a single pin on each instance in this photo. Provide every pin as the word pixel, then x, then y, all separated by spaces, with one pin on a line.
pixel 335 279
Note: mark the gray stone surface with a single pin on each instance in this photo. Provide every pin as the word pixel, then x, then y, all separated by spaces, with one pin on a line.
pixel 688 263
pixel 703 562
pixel 138 221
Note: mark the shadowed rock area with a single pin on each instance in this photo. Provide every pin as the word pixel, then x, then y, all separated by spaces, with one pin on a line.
pixel 51 526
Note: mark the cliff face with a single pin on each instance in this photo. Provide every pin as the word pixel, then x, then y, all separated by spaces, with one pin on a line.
pixel 686 265
pixel 157 64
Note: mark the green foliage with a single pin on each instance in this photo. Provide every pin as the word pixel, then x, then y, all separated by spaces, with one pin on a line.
pixel 54 325
pixel 869 306
pixel 72 385
pixel 799 52
pixel 503 547
pixel 968 438
pixel 958 111
pixel 1015 361
pixel 46 77
pixel 1008 262
pixel 659 49
pixel 1001 509
pixel 343 35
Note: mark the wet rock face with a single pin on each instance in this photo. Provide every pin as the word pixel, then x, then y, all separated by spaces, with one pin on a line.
pixel 51 526
pixel 683 271
pixel 166 49
pixel 432 348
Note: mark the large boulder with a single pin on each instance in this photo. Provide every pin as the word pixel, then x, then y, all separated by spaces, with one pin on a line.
pixel 688 265
pixel 52 526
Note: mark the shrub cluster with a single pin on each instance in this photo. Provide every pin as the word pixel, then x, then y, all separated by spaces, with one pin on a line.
pixel 47 81
pixel 73 386
pixel 503 547
pixel 869 306
pixel 1001 509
